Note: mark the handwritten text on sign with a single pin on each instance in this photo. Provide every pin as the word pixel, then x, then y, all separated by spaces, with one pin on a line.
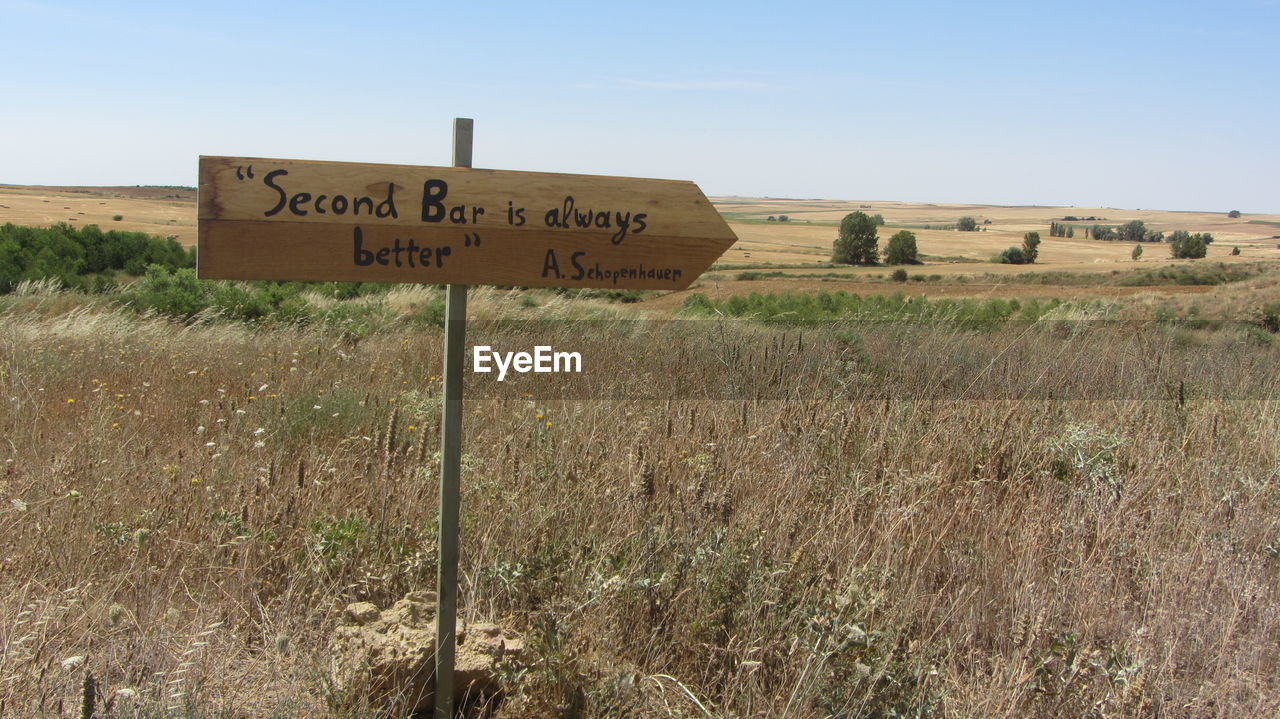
pixel 299 220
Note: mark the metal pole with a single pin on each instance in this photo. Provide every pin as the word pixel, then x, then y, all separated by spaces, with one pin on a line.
pixel 455 338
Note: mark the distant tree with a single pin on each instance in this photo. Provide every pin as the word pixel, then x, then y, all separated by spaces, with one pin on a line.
pixel 1235 250
pixel 1071 231
pixel 1137 253
pixel 901 249
pixel 899 275
pixel 783 218
pixel 967 224
pixel 1206 238
pixel 1233 214
pixel 879 220
pixel 1102 232
pixel 857 240
pixel 1030 245
pixel 1134 231
pixel 772 218
pixel 1184 245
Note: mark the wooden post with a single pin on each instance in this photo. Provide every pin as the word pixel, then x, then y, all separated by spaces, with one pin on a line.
pixel 455 338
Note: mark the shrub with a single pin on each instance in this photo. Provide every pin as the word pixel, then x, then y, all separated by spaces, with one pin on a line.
pixel 1013 256
pixel 1137 253
pixel 967 224
pixel 117 218
pixel 1233 214
pixel 172 292
pixel 1269 317
pixel 899 275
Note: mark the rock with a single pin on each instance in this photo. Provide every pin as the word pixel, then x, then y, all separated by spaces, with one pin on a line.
pixel 362 612
pixel 383 661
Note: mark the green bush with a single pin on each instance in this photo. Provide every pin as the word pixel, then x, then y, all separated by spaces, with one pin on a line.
pixel 69 254
pixel 1014 256
pixel 176 293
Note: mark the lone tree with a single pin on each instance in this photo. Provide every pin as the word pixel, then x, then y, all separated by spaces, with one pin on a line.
pixel 1030 243
pixel 967 224
pixel 1233 214
pixel 901 249
pixel 1137 253
pixel 856 243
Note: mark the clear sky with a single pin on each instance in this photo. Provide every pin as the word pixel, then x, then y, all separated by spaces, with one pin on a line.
pixel 1169 105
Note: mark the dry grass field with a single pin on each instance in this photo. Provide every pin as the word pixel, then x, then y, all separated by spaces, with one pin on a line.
pixel 807 237
pixel 162 211
pixel 1071 516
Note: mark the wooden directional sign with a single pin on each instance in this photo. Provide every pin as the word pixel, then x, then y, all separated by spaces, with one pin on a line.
pixel 263 219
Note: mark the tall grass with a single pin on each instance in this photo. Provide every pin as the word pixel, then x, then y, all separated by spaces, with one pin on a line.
pixel 873 524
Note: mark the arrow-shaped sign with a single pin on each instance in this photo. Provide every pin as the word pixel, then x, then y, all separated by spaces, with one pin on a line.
pixel 263 219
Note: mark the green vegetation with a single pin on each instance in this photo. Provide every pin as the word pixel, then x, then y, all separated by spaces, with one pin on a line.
pixel 790 308
pixel 756 275
pixel 902 249
pixel 856 243
pixel 1031 246
pixel 1061 229
pixel 1012 256
pixel 82 258
pixel 947 228
pixel 967 224
pixel 1100 232
pixel 1136 231
pixel 1137 253
pixel 1233 214
pixel 1213 274
pixel 1184 245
